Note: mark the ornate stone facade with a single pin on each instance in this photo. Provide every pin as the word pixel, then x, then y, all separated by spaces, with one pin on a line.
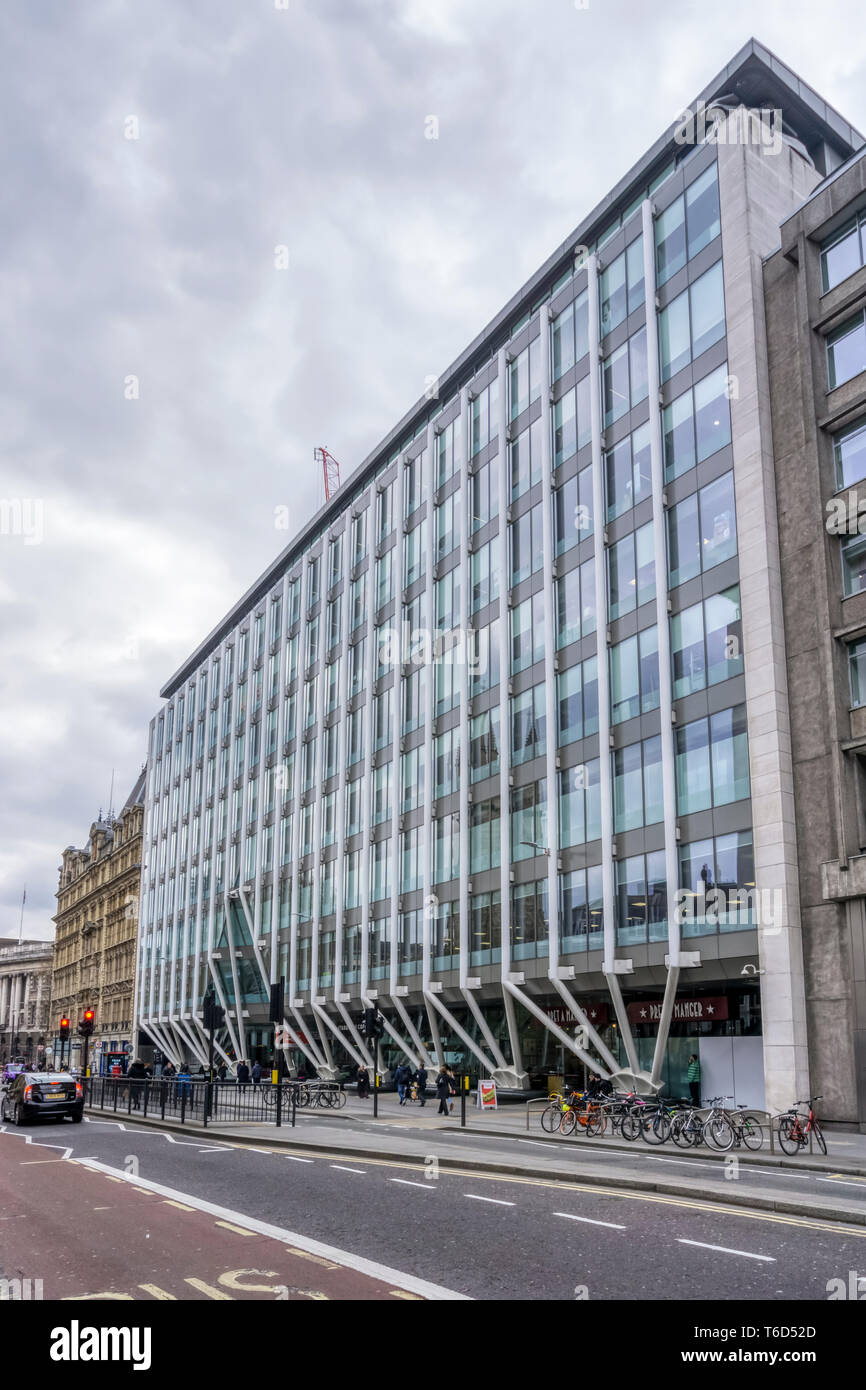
pixel 97 927
pixel 25 990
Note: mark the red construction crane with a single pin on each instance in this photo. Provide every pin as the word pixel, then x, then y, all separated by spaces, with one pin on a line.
pixel 330 471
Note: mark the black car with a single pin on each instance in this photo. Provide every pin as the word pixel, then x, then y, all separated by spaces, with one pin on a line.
pixel 53 1094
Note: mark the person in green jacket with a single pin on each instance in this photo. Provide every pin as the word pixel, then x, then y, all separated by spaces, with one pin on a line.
pixel 693 1076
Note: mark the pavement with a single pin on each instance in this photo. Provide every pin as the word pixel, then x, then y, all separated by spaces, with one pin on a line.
pixel 242 1217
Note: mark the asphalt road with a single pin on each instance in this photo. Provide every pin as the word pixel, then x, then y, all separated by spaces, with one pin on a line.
pixel 483 1236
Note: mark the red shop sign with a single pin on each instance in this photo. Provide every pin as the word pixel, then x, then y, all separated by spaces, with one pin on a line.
pixel 707 1009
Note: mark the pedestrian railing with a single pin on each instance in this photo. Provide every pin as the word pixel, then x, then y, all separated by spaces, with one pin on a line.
pixel 196 1101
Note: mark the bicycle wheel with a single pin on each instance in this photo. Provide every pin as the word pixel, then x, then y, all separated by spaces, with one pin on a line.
pixel 596 1122
pixel 303 1097
pixel 340 1100
pixel 718 1132
pixel 788 1132
pixel 750 1132
pixel 568 1123
pixel 656 1127
pixel 631 1126
pixel 682 1132
pixel 550 1119
pixel 820 1140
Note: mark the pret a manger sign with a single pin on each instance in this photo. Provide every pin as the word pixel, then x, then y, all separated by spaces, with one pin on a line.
pixel 709 1009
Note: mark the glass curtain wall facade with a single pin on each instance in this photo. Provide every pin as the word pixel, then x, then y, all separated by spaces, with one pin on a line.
pixel 476 748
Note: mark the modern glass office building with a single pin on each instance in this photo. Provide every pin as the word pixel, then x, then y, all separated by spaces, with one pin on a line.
pixel 500 741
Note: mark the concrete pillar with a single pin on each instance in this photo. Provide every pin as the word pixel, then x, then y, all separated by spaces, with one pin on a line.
pixel 758 189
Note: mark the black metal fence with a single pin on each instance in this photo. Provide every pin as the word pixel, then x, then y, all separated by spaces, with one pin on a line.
pixel 194 1101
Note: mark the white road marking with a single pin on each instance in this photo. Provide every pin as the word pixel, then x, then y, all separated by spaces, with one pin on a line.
pixel 725 1250
pixel 313 1247
pixel 407 1182
pixel 569 1216
pixel 342 1169
pixel 846 1182
pixel 497 1201
pixel 293 1159
pixel 686 1162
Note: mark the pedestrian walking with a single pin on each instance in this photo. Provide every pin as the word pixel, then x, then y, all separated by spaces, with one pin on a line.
pixel 452 1082
pixel 137 1077
pixel 420 1079
pixel 363 1083
pixel 443 1091
pixel 693 1077
pixel 402 1076
pixel 242 1074
pixel 222 1071
pixel 184 1083
pixel 257 1076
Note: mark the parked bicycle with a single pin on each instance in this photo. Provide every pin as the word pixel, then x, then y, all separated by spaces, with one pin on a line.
pixel 794 1128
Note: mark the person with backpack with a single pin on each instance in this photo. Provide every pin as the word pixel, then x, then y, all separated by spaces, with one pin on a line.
pixel 402 1076
pixel 420 1079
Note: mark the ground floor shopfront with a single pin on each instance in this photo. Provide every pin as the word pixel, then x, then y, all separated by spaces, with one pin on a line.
pixel 718 1021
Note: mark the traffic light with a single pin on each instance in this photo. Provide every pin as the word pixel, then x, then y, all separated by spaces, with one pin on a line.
pixel 372 1024
pixel 64 1029
pixel 278 996
pixel 85 1027
pixel 212 1014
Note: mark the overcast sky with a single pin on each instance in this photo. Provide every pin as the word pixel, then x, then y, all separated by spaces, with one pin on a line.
pixel 163 383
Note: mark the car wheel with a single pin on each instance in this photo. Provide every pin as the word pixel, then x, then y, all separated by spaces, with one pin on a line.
pixel 18 1114
pixel 76 1119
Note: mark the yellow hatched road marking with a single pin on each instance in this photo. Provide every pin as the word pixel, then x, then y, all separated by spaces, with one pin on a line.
pixel 238 1230
pixel 181 1206
pixel 210 1290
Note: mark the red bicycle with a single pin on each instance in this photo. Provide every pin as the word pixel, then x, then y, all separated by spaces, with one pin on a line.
pixel 794 1128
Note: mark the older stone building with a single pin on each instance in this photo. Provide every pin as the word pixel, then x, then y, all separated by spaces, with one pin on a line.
pixel 25 989
pixel 97 925
pixel 815 287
